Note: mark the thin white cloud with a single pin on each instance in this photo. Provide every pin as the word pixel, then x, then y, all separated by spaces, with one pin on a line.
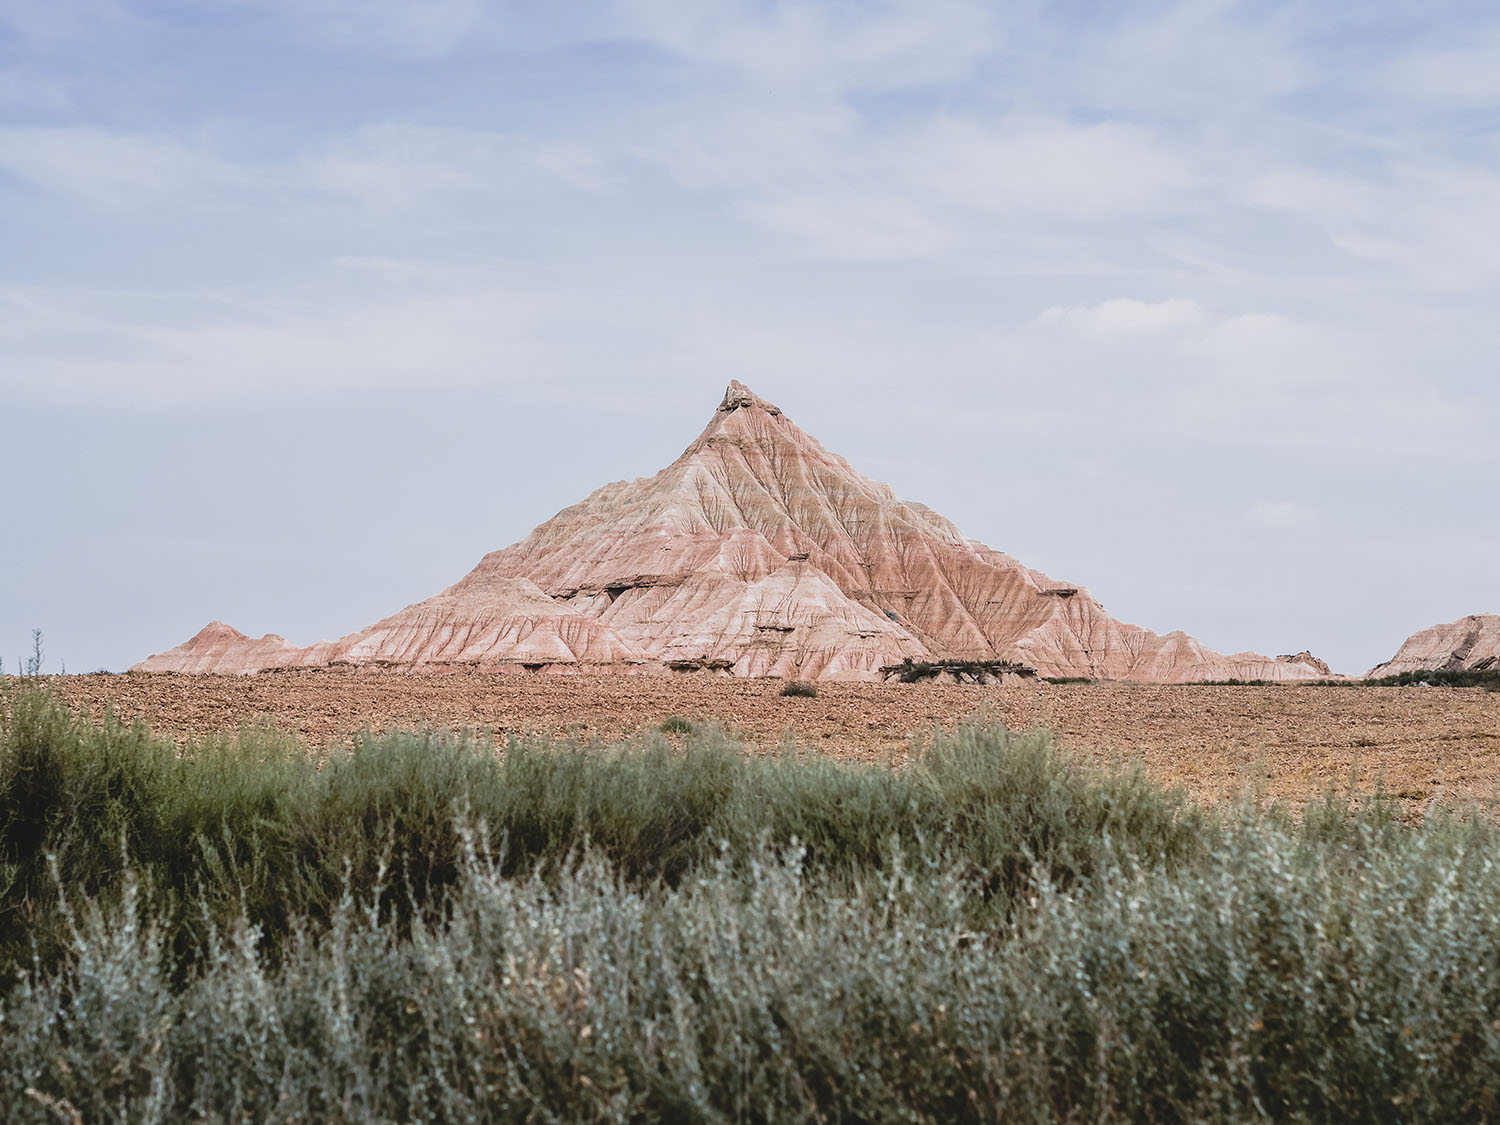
pixel 947 186
pixel 403 27
pixel 1312 192
pixel 395 271
pixel 1439 221
pixel 386 171
pixel 831 48
pixel 1280 515
pixel 51 24
pixel 1125 316
pixel 1463 77
pixel 30 89
pixel 1184 59
pixel 1175 367
pixel 117 170
pixel 1026 168
pixel 856 225
pixel 397 167
pixel 1432 217
pixel 746 145
pixel 1269 352
pixel 105 347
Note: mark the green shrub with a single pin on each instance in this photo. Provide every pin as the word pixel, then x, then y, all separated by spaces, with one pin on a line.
pixel 1281 977
pixel 676 724
pixel 1487 678
pixel 249 822
pixel 1442 677
pixel 426 929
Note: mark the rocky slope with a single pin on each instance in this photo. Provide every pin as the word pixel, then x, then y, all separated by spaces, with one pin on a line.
pixel 1469 644
pixel 757 552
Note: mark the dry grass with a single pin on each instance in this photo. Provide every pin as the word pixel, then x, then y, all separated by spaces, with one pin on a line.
pixel 1289 743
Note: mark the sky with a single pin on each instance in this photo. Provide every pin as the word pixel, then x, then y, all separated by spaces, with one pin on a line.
pixel 307 304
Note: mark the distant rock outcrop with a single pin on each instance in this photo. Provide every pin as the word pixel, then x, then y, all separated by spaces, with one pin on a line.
pixel 756 553
pixel 1469 644
pixel 1307 658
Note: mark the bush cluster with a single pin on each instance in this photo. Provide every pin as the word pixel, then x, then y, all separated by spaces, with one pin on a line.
pixel 426 930
pixel 252 822
pixel 1488 677
pixel 911 671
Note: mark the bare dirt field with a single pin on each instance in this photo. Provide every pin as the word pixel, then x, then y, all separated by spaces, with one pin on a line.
pixel 1291 742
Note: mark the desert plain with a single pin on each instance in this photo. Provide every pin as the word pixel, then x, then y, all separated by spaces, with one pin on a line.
pixel 1284 742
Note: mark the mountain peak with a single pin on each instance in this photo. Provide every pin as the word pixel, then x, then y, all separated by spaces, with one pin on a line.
pixel 757 552
pixel 737 395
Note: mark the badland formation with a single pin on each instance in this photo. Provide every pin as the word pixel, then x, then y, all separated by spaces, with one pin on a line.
pixel 1470 644
pixel 760 553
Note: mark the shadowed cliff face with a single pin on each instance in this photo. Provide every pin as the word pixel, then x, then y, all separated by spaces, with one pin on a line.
pixel 757 552
pixel 1469 644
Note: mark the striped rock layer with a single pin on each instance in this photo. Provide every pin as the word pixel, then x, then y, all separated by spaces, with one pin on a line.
pixel 756 553
pixel 1469 644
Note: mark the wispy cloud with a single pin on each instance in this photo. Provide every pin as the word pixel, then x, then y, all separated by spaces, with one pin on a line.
pixel 1033 167
pixel 1431 217
pixel 396 167
pixel 105 350
pixel 950 185
pixel 1125 315
pixel 1280 515
pixel 45 27
pixel 1460 76
pixel 830 49
pixel 400 27
pixel 109 169
pixel 28 90
pixel 852 224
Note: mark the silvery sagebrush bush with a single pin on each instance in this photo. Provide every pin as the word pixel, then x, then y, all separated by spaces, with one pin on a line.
pixel 683 934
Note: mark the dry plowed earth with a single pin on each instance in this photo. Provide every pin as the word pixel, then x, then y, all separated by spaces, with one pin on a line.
pixel 1214 741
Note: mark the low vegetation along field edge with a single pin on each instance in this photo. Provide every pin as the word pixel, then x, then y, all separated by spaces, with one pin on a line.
pixel 421 929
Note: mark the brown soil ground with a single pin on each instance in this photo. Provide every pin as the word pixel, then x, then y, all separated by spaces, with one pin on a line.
pixel 1290 743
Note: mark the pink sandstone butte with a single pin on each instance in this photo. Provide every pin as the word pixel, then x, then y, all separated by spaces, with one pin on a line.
pixel 1469 644
pixel 756 553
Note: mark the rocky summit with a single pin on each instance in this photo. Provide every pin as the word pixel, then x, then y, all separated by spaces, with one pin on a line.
pixel 756 553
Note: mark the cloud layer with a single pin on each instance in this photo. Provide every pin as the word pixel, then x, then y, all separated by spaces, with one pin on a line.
pixel 1220 275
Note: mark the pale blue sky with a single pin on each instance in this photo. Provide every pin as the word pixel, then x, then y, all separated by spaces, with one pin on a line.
pixel 306 304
